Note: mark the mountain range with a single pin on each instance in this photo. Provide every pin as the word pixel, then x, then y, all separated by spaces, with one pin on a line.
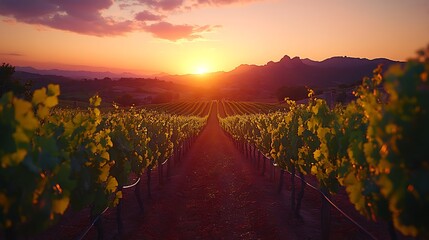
pixel 250 82
pixel 292 72
pixel 247 82
pixel 75 74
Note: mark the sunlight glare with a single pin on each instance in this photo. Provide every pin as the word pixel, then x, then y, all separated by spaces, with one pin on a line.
pixel 201 70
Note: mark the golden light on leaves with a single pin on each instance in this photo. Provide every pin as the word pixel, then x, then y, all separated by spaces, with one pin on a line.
pixel 60 205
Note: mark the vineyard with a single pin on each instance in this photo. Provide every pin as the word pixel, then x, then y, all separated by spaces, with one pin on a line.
pixel 229 108
pixel 373 150
pixel 78 158
pixel 374 147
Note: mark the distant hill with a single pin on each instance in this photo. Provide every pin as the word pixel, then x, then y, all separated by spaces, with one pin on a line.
pixel 126 90
pixel 262 81
pixel 295 71
pixel 245 82
pixel 77 74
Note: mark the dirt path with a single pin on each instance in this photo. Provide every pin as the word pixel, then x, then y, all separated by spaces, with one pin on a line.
pixel 215 194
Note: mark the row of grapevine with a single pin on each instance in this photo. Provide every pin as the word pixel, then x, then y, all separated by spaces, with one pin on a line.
pixel 239 108
pixel 375 146
pixel 54 159
pixel 198 108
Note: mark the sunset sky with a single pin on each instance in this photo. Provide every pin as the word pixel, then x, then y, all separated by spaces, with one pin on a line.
pixel 191 36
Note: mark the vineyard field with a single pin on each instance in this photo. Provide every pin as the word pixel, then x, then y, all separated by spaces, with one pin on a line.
pixel 220 169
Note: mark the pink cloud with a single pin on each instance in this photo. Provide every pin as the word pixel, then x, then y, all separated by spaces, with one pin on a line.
pixel 23 9
pixel 78 16
pixel 170 5
pixel 172 32
pixel 97 26
pixel 148 16
pixel 166 5
pixel 12 54
pixel 86 16
pixel 223 2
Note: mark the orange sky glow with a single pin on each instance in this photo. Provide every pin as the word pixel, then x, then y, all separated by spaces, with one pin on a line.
pixel 198 36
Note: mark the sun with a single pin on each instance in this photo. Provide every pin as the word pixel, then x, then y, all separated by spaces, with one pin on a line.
pixel 201 70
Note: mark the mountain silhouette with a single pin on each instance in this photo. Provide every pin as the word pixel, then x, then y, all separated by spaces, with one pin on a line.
pixel 289 71
pixel 294 71
pixel 247 82
pixel 76 74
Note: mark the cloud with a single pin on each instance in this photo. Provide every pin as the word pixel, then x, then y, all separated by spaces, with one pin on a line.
pixel 97 26
pixel 91 17
pixel 12 54
pixel 222 2
pixel 173 32
pixel 78 16
pixel 171 5
pixel 166 5
pixel 148 16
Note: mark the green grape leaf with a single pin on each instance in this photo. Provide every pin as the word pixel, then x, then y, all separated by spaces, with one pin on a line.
pixel 104 173
pixel 39 96
pixel 51 101
pixel 112 184
pixel 60 205
pixel 53 90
